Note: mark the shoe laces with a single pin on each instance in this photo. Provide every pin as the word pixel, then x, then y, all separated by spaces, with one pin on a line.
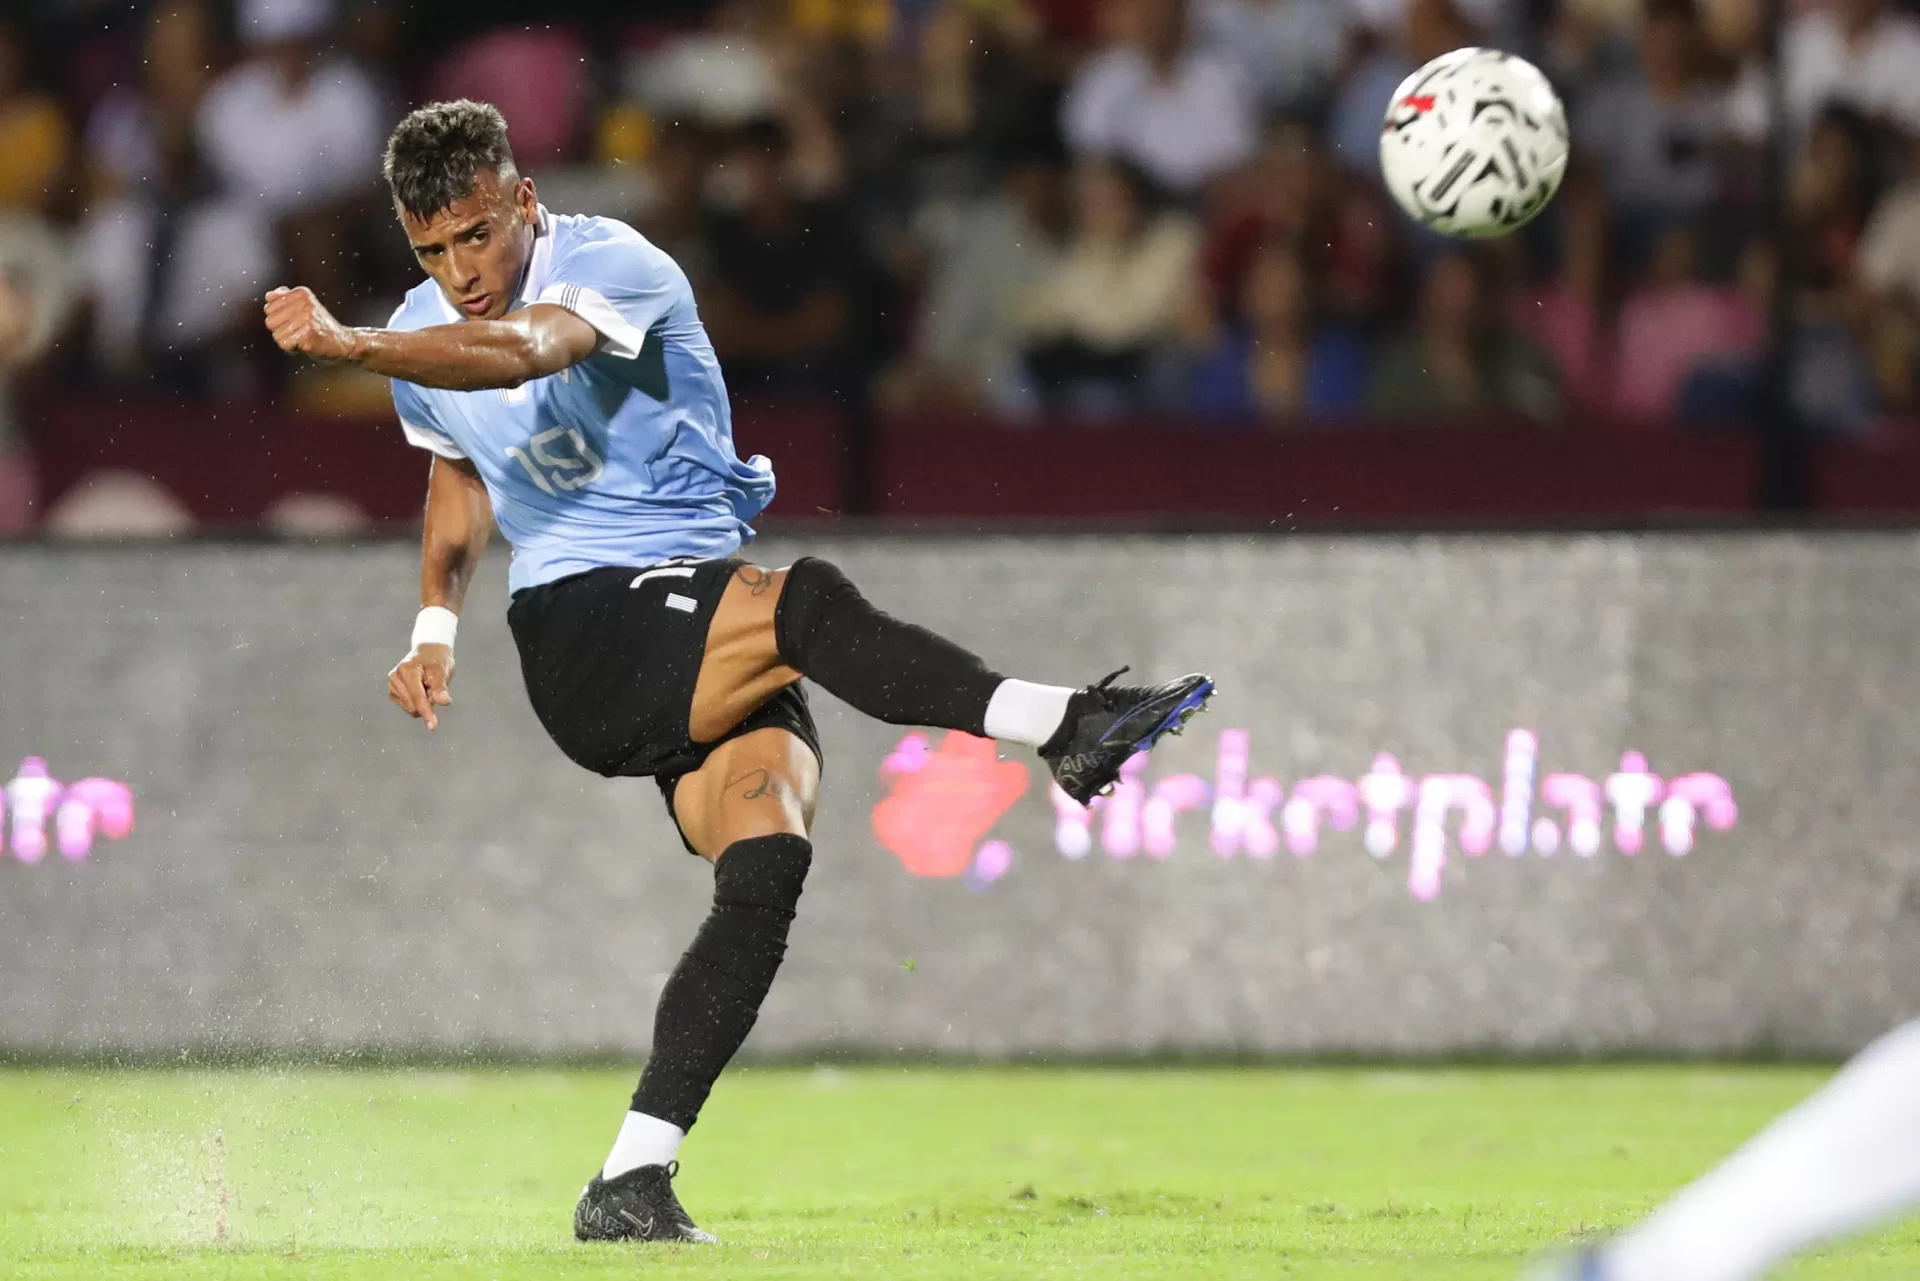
pixel 1106 693
pixel 674 1211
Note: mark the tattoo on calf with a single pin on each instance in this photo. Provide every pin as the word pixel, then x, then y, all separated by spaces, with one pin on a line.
pixel 759 581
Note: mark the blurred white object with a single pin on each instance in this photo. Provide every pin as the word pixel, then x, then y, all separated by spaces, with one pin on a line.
pixel 37 268
pixel 1389 17
pixel 271 21
pixel 719 79
pixel 1288 50
pixel 1182 127
pixel 315 516
pixel 286 143
pixel 1875 69
pixel 223 258
pixel 1474 143
pixel 119 504
pixel 37 291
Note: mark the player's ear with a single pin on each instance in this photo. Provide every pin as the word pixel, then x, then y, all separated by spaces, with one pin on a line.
pixel 529 201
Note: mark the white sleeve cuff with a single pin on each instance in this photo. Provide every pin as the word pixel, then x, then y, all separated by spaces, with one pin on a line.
pixel 618 336
pixel 437 442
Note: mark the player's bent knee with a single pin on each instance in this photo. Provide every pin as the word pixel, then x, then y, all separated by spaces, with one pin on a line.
pixel 761 784
pixel 763 871
pixel 813 587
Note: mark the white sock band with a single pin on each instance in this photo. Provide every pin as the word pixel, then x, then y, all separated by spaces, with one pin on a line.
pixel 436 625
pixel 1022 712
pixel 643 1140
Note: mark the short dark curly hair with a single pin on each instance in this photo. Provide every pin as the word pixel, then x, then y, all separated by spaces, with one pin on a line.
pixel 436 153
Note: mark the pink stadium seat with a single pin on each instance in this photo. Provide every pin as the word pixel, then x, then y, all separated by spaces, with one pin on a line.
pixel 537 76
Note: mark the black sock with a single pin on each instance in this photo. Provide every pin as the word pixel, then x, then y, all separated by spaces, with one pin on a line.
pixel 896 672
pixel 713 996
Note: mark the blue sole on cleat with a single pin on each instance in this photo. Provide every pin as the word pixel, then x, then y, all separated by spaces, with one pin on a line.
pixel 1188 707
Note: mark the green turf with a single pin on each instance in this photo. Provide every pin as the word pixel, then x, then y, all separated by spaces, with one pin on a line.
pixel 882 1172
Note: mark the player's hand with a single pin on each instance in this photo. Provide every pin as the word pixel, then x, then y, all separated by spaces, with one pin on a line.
pixel 300 324
pixel 419 683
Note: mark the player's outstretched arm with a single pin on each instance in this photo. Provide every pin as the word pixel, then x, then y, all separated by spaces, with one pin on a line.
pixel 459 522
pixel 464 356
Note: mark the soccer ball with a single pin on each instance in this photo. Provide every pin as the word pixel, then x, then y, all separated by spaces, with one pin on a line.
pixel 1475 143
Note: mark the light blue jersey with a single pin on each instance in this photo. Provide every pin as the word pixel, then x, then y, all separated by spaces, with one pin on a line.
pixel 627 457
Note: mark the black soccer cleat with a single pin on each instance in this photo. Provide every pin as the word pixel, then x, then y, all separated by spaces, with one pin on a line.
pixel 636 1206
pixel 1107 723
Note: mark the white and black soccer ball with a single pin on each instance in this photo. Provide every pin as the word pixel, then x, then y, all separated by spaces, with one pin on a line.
pixel 1475 143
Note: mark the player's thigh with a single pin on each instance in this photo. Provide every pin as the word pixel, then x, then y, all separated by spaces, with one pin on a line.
pixel 761 784
pixel 741 667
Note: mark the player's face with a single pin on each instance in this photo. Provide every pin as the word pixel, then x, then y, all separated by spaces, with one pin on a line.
pixel 476 249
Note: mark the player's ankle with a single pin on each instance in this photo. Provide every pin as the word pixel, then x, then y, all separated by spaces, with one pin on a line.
pixel 1023 712
pixel 643 1140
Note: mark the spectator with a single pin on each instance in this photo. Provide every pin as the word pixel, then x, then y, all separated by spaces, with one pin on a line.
pixel 1278 359
pixel 1658 131
pixel 983 254
pixel 33 131
pixel 786 275
pixel 984 89
pixel 123 140
pixel 1182 113
pixel 679 166
pixel 1288 50
pixel 1284 196
pixel 1565 313
pixel 1092 320
pixel 1457 359
pixel 722 76
pixel 176 273
pixel 1888 262
pixel 1677 325
pixel 1431 28
pixel 298 134
pixel 291 127
pixel 1887 275
pixel 1861 53
pixel 1830 195
pixel 36 292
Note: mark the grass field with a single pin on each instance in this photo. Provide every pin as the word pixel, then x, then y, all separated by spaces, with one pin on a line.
pixel 877 1172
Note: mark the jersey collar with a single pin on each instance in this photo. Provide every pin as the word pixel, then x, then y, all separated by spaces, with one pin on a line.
pixel 534 282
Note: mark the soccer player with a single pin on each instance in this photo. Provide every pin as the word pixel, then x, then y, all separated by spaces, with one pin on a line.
pixel 557 369
pixel 1844 1160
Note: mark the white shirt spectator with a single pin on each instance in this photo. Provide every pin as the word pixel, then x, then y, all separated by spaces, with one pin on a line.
pixel 719 78
pixel 223 261
pixel 120 140
pixel 1389 17
pixel 285 145
pixel 1879 74
pixel 1289 50
pixel 1655 154
pixel 1181 130
pixel 1112 297
pixel 1889 258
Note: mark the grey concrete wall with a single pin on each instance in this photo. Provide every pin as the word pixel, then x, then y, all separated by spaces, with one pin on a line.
pixel 307 867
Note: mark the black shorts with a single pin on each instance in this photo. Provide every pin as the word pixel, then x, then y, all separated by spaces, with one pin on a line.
pixel 610 658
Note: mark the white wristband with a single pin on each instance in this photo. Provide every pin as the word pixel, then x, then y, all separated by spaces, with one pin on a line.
pixel 436 625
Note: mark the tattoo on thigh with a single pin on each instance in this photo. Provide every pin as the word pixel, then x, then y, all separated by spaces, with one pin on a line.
pixel 759 581
pixel 758 783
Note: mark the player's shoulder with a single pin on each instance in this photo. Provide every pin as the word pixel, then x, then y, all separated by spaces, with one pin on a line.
pixel 424 305
pixel 587 248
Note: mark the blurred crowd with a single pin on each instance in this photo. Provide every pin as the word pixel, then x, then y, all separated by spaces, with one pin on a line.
pixel 1103 208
